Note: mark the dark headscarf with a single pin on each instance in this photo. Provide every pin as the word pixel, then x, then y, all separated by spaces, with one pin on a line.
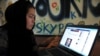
pixel 19 38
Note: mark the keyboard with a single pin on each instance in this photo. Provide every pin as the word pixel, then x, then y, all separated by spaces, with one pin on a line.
pixel 57 52
pixel 43 53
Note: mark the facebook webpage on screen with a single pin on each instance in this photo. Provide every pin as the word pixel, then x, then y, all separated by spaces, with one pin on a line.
pixel 79 40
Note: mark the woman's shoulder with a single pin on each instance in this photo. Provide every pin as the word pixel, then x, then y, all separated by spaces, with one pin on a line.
pixel 3 39
pixel 3 32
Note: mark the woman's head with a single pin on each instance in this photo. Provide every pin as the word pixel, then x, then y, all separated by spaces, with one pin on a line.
pixel 21 15
pixel 30 17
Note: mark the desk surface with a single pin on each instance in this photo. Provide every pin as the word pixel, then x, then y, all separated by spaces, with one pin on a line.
pixel 96 48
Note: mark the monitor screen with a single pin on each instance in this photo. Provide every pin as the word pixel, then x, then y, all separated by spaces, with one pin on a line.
pixel 78 39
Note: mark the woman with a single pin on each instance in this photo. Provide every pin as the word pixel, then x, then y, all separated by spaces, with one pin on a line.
pixel 20 18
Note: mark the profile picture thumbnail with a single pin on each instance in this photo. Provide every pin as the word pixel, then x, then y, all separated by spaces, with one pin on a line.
pixel 68 42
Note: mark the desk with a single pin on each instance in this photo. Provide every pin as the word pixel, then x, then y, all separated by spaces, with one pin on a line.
pixel 96 49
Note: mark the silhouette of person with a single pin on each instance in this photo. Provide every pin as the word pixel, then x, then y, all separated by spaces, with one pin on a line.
pixel 20 17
